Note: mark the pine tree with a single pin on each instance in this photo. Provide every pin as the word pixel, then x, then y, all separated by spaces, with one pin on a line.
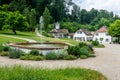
pixel 46 17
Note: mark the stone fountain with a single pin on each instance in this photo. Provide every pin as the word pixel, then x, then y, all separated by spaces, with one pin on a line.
pixel 44 47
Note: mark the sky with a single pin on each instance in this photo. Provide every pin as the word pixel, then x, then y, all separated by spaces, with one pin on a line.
pixel 110 5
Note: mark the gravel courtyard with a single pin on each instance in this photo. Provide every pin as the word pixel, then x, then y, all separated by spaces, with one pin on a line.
pixel 106 62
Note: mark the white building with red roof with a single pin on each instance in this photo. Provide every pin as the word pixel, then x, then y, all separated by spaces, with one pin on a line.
pixel 102 36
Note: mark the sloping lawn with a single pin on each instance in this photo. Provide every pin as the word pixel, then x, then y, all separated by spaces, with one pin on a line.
pixel 4 39
pixel 32 35
pixel 26 73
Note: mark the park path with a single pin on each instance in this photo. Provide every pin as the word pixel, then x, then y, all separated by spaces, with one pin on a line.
pixel 107 62
pixel 29 40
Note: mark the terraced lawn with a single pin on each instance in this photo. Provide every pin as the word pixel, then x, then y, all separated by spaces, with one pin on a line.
pixel 4 39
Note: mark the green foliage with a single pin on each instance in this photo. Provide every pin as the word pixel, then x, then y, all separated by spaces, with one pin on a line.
pixel 6 48
pixel 32 19
pixel 82 44
pixel 46 34
pixel 3 53
pixel 95 43
pixel 46 17
pixel 114 30
pixel 91 55
pixel 101 39
pixel 81 49
pixel 84 51
pixel 34 52
pixel 83 57
pixel 71 26
pixel 1 47
pixel 69 57
pixel 32 57
pixel 15 53
pixel 51 56
pixel 28 73
pixel 100 46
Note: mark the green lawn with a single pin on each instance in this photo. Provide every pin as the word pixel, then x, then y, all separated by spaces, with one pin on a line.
pixel 32 35
pixel 26 73
pixel 4 39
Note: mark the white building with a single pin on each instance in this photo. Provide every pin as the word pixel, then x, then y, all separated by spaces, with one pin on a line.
pixel 83 35
pixel 102 36
pixel 59 33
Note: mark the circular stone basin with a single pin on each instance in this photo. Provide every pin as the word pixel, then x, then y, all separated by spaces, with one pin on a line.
pixel 40 46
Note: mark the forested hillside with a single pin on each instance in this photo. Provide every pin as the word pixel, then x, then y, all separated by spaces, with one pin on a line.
pixel 25 14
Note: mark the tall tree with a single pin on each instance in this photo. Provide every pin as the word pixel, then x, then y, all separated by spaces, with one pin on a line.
pixel 32 19
pixel 46 17
pixel 18 5
pixel 15 21
pixel 75 13
pixel 114 29
pixel 58 9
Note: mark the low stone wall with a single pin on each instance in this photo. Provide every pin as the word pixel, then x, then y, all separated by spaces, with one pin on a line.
pixel 22 45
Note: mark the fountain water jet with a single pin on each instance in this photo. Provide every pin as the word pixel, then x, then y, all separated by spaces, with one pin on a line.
pixel 41 24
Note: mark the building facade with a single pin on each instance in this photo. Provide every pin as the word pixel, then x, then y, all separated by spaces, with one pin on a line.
pixel 83 35
pixel 102 35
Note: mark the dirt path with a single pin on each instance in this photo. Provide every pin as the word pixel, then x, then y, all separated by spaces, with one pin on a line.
pixel 107 62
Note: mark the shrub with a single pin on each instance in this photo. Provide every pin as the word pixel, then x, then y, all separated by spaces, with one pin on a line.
pixel 1 47
pixel 15 53
pixel 34 52
pixel 95 43
pixel 81 44
pixel 26 57
pixel 74 50
pixel 81 49
pixel 70 57
pixel 84 51
pixel 90 47
pixel 83 57
pixel 91 55
pixel 61 54
pixel 4 53
pixel 38 58
pixel 6 48
pixel 51 56
pixel 32 57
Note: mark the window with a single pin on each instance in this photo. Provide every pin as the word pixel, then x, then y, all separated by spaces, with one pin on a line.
pixel 96 34
pixel 79 32
pixel 107 34
pixel 96 39
pixel 107 40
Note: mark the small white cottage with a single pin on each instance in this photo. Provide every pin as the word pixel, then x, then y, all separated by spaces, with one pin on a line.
pixel 83 35
pixel 102 35
pixel 59 33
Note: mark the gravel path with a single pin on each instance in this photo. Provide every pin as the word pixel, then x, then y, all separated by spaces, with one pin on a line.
pixel 107 62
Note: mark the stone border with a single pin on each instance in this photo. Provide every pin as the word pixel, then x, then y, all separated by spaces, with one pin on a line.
pixel 21 45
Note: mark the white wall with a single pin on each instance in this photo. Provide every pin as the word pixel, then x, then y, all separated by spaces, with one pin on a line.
pixel 104 36
pixel 79 35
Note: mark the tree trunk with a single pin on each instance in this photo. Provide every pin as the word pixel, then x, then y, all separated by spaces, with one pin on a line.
pixel 14 31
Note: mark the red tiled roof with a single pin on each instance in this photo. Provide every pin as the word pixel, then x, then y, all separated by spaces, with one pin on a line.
pixel 102 29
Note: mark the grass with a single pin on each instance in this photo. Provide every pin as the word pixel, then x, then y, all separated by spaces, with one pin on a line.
pixel 27 73
pixel 4 39
pixel 32 35
pixel 99 46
